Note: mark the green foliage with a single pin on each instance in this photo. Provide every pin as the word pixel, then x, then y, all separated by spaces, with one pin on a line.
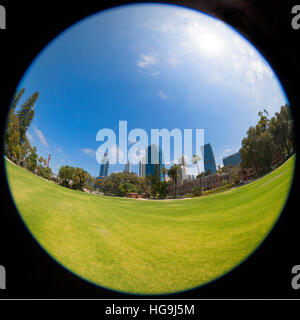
pixel 236 175
pixel 26 114
pixel 203 174
pixel 80 179
pixel 125 188
pixel 269 139
pixel 75 178
pixel 31 160
pixel 155 184
pixel 12 130
pixel 44 172
pixel 173 174
pixel 164 171
pixel 121 183
pixel 66 175
pixel 17 146
pixel 220 189
pixel 224 182
pixel 197 191
pixel 11 139
pixel 42 161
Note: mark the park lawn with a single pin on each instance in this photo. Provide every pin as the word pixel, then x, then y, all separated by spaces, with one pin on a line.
pixel 149 247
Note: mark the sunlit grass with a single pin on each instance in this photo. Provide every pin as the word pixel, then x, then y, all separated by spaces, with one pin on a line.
pixel 149 247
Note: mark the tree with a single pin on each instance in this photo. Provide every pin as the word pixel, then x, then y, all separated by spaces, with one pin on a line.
pixel 11 139
pixel 44 172
pixel 16 99
pixel 195 160
pixel 281 128
pixel 164 171
pixel 258 147
pixel 125 188
pixel 163 189
pixel 25 151
pixel 42 161
pixel 11 133
pixel 236 175
pixel 26 114
pixel 66 174
pixel 31 160
pixel 173 174
pixel 17 146
pixel 80 178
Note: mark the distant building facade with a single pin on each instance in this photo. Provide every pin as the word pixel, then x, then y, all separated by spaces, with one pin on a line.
pixel 209 159
pixel 154 161
pixel 183 168
pixel 128 167
pixel 142 168
pixel 233 159
pixel 209 182
pixel 104 166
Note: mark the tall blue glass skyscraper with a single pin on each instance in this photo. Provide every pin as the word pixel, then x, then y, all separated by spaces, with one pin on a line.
pixel 104 167
pixel 154 161
pixel 209 159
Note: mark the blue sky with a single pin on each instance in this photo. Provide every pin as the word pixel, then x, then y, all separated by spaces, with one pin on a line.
pixel 156 66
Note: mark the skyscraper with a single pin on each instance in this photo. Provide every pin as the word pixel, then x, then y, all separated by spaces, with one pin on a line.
pixel 209 159
pixel 128 167
pixel 183 171
pixel 233 159
pixel 154 158
pixel 104 166
pixel 142 167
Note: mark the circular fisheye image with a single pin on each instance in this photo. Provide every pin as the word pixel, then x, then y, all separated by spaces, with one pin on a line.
pixel 149 149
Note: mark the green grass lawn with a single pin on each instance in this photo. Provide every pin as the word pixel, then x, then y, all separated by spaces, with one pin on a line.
pixel 149 247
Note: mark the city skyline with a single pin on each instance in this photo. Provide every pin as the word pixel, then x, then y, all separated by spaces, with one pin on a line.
pixel 157 66
pixel 146 165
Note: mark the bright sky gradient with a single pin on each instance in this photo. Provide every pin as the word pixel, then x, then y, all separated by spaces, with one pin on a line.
pixel 156 66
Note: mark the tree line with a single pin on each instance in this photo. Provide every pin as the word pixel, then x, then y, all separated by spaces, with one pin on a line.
pixel 18 149
pixel 122 183
pixel 269 143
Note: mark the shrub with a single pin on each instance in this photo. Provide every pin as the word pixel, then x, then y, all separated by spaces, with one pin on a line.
pixel 197 192
pixel 220 189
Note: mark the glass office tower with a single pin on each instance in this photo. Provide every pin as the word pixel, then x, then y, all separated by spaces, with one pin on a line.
pixel 104 167
pixel 154 159
pixel 209 159
pixel 233 159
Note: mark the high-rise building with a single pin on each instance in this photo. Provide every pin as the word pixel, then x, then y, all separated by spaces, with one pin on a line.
pixel 142 167
pixel 128 167
pixel 209 159
pixel 104 166
pixel 183 168
pixel 234 159
pixel 154 159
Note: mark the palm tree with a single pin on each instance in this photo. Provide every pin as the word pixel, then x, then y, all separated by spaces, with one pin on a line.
pixel 195 160
pixel 173 174
pixel 164 171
